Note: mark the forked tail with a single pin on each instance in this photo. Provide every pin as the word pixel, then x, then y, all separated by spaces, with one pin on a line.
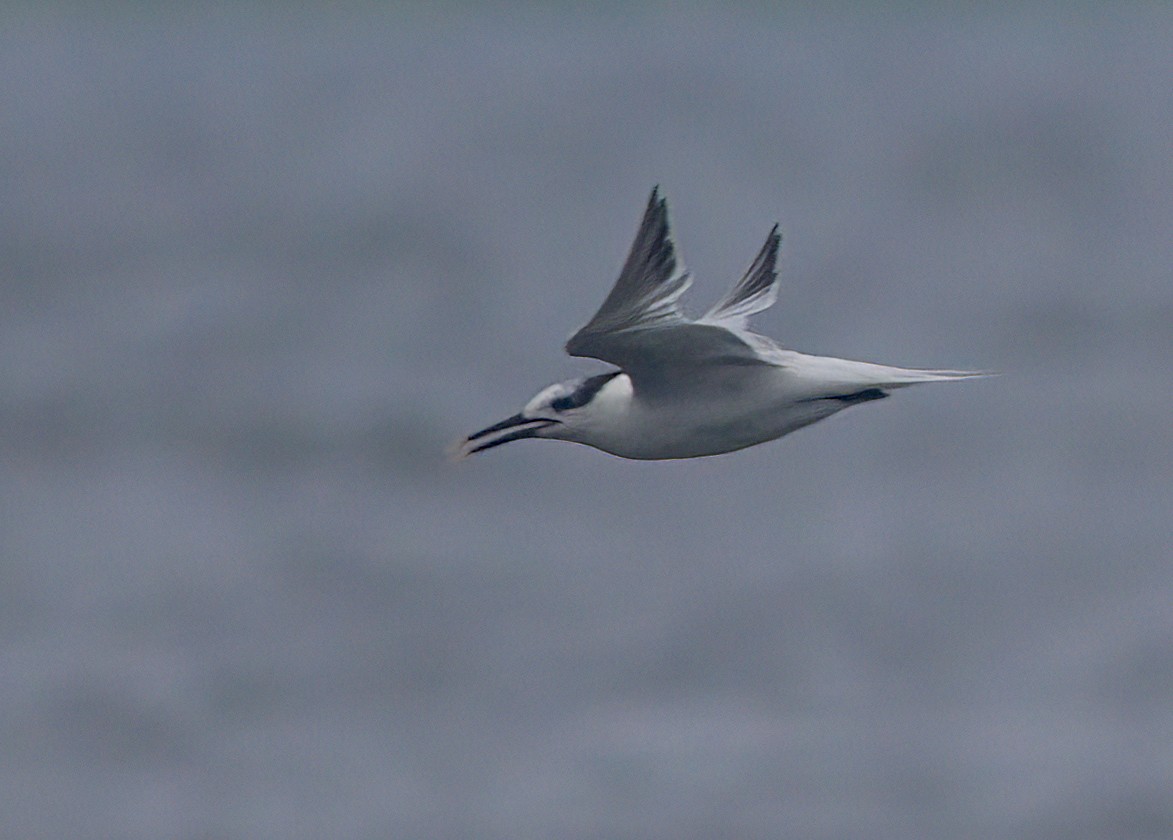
pixel 894 377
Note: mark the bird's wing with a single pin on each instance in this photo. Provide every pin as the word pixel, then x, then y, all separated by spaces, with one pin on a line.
pixel 640 327
pixel 757 289
pixel 645 295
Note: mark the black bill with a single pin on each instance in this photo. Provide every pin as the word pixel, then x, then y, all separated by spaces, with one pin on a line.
pixel 515 428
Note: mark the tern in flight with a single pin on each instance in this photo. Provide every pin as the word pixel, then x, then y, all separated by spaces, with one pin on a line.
pixel 685 388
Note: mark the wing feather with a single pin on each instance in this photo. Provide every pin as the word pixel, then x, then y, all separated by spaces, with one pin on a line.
pixel 646 293
pixel 757 289
pixel 641 329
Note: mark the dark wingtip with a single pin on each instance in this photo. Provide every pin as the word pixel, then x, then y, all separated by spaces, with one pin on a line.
pixel 653 233
pixel 866 395
pixel 656 200
pixel 774 242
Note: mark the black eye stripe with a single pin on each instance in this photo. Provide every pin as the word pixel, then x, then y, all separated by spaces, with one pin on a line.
pixel 584 393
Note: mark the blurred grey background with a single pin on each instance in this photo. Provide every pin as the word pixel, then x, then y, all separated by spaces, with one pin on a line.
pixel 262 264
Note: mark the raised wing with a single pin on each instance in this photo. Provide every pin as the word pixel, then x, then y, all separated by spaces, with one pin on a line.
pixel 756 291
pixel 645 295
pixel 640 328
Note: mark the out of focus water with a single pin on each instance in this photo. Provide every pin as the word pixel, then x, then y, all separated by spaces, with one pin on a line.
pixel 262 265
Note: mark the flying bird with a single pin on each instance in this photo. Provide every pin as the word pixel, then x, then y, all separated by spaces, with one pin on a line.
pixel 685 388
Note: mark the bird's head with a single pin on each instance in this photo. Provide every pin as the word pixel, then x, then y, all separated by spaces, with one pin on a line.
pixel 561 411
